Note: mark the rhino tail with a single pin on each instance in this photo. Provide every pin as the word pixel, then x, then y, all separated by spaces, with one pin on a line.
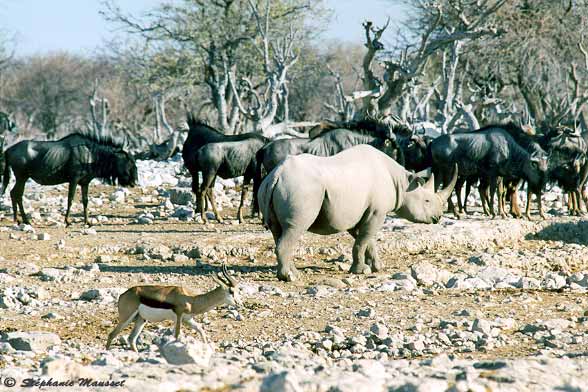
pixel 265 196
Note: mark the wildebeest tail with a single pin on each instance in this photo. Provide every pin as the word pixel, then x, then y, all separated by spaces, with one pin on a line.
pixel 265 195
pixel 5 177
pixel 257 177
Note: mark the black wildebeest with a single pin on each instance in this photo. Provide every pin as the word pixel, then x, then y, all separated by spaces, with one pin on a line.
pixel 415 151
pixel 567 164
pixel 76 159
pixel 2 159
pixel 488 153
pixel 328 142
pixel 6 125
pixel 213 153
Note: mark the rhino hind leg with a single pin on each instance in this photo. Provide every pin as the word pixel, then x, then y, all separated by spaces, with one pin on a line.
pixel 285 247
pixel 371 257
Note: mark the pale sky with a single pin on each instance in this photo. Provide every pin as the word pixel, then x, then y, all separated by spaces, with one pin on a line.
pixel 75 25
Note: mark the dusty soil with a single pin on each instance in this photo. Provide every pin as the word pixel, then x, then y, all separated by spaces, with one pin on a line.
pixel 290 314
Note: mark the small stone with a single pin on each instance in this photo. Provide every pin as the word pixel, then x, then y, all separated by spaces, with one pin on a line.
pixel 379 330
pixel 285 381
pixel 482 326
pixel 43 237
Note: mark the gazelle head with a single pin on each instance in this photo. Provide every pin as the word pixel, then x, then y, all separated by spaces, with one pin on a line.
pixel 230 287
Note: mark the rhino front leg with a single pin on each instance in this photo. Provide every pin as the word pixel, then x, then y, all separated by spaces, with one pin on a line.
pixel 285 252
pixel 371 256
pixel 364 248
pixel 359 266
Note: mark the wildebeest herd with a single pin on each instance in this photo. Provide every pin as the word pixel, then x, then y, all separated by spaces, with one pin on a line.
pixel 344 177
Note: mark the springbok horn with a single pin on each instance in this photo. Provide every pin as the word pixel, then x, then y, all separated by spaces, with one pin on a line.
pixel 221 276
pixel 231 280
pixel 446 192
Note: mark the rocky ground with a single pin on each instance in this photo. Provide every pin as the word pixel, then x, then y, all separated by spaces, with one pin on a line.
pixel 475 304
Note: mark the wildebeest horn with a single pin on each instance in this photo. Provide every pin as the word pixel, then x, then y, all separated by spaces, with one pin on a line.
pixel 446 192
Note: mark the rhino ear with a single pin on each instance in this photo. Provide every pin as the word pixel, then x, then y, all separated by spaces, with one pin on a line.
pixel 430 184
pixel 416 180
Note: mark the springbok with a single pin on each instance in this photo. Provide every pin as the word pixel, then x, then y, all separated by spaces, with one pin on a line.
pixel 158 303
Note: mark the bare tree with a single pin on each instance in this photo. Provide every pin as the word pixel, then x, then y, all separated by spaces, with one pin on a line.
pixel 443 28
pixel 217 37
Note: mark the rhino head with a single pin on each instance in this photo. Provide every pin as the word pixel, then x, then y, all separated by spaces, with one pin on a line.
pixel 422 204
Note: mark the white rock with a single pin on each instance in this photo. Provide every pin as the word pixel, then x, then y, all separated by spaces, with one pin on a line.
pixel 32 341
pixel 285 381
pixel 189 352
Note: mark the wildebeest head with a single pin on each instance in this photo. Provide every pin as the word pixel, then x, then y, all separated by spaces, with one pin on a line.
pixel 421 203
pixel 125 169
pixel 7 124
pixel 391 148
pixel 536 169
pixel 415 152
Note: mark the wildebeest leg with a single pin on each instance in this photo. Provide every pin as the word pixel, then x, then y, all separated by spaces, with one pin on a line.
pixel 515 210
pixel 213 203
pixel 577 210
pixel 468 189
pixel 540 205
pixel 16 196
pixel 458 186
pixel 492 186
pixel 483 191
pixel 501 197
pixel 202 193
pixel 285 247
pixel 85 202
pixel 71 192
pixel 451 206
pixel 243 196
pixel 196 191
pixel 528 209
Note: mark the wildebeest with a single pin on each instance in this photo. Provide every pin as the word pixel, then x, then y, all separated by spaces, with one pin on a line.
pixel 351 191
pixel 528 139
pixel 6 124
pixel 230 158
pixel 76 159
pixel 567 163
pixel 488 153
pixel 2 159
pixel 326 143
pixel 415 151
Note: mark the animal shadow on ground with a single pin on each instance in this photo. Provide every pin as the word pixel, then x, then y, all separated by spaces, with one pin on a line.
pixel 568 232
pixel 196 270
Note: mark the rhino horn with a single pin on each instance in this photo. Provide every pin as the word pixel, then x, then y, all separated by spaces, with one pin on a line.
pixel 445 193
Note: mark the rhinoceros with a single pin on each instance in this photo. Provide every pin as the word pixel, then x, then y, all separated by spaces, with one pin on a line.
pixel 351 191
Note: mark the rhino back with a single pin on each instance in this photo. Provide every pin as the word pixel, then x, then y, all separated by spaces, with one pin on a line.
pixel 337 191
